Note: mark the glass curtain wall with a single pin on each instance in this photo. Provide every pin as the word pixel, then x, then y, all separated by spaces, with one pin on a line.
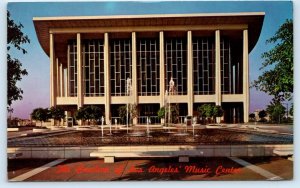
pixel 231 67
pixel 204 66
pixel 176 64
pixel 120 65
pixel 72 69
pixel 148 67
pixel 93 55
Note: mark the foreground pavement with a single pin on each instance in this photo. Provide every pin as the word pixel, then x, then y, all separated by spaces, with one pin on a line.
pixel 258 168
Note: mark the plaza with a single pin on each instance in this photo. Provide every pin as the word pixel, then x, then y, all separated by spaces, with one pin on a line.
pixel 72 155
pixel 204 57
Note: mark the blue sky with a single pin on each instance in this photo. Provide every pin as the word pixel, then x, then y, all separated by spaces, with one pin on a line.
pixel 36 84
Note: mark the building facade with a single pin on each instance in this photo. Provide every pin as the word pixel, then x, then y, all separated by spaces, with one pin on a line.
pixel 205 55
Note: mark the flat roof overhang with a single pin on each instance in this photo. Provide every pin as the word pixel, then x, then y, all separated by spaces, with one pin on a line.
pixel 252 21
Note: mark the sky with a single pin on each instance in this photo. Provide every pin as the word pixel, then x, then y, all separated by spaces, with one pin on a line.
pixel 36 85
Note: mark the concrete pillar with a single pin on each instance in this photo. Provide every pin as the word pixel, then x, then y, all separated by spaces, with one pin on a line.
pixel 68 74
pixel 79 73
pixel 218 91
pixel 58 78
pixel 62 81
pixel 245 76
pixel 190 79
pixel 161 70
pixel 106 77
pixel 53 72
pixel 134 74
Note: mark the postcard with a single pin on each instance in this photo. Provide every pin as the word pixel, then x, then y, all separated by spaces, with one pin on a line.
pixel 150 91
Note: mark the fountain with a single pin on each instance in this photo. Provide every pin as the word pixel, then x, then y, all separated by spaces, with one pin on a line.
pixel 148 130
pixel 102 124
pixel 185 121
pixel 168 102
pixel 171 92
pixel 109 123
pixel 194 124
pixel 116 122
pixel 183 133
pixel 128 92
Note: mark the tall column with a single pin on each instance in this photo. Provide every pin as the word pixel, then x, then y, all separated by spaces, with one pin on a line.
pixel 52 72
pixel 79 73
pixel 190 74
pixel 58 78
pixel 106 77
pixel 62 80
pixel 218 88
pixel 134 73
pixel 218 91
pixel 68 74
pixel 245 76
pixel 161 68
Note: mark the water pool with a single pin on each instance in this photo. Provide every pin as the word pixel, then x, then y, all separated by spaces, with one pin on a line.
pixel 158 137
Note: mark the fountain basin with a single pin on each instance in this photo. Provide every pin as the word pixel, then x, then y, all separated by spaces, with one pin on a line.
pixel 159 137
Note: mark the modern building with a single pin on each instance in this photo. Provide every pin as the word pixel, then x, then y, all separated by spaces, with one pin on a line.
pixel 206 56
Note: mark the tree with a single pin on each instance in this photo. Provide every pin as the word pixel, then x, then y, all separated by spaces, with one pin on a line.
pixel 15 38
pixel 81 114
pixel 217 111
pixel 89 113
pixel 276 110
pixel 161 112
pixel 252 116
pixel 277 80
pixel 41 114
pixel 262 114
pixel 206 110
pixel 57 113
pixel 132 112
pixel 96 113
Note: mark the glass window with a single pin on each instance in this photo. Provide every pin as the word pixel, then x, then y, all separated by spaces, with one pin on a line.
pixel 176 64
pixel 120 62
pixel 147 61
pixel 204 65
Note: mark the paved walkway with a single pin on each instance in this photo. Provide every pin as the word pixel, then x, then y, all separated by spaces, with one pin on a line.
pixel 265 173
pixel 273 168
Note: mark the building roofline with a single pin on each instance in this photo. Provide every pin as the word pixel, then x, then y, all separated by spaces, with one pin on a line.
pixel 147 16
pixel 252 21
